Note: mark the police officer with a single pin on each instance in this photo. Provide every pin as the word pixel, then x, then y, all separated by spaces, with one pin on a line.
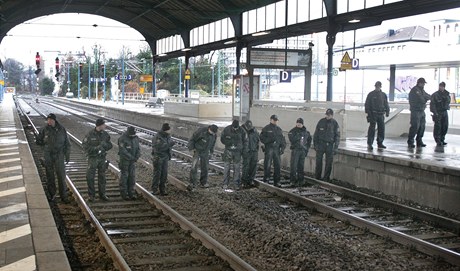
pixel 96 144
pixel 440 103
pixel 202 144
pixel 274 144
pixel 251 155
pixel 129 152
pixel 326 140
pixel 234 139
pixel 161 151
pixel 56 145
pixel 376 107
pixel 300 140
pixel 417 102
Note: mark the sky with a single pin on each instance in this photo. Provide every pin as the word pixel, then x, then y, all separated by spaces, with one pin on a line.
pixel 57 34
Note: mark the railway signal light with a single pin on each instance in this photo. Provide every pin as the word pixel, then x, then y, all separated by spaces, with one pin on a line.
pixel 80 67
pixel 37 62
pixel 57 69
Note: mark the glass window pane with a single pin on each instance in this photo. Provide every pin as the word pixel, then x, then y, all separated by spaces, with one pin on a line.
pixel 292 11
pixel 316 9
pixel 373 3
pixel 356 5
pixel 342 6
pixel 280 14
pixel 224 29
pixel 252 21
pixel 303 12
pixel 231 29
pixel 270 14
pixel 260 19
pixel 245 23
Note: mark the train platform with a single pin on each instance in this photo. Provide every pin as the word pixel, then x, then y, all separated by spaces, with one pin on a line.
pixel 428 176
pixel 29 239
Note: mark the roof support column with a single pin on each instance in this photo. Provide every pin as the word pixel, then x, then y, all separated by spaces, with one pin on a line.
pixel 330 40
pixel 187 81
pixel 331 10
pixel 392 83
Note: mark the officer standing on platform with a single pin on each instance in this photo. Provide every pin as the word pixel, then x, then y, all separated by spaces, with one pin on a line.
pixel 202 144
pixel 376 108
pixel 129 152
pixel 53 137
pixel 96 144
pixel 300 140
pixel 417 101
pixel 274 144
pixel 251 155
pixel 161 151
pixel 234 139
pixel 326 140
pixel 440 103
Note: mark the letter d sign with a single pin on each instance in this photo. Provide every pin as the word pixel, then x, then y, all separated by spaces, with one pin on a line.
pixel 285 77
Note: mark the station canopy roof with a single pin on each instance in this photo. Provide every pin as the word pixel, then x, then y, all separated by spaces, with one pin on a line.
pixel 155 19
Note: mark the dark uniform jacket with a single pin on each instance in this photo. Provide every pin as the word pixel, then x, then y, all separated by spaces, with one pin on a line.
pixel 377 103
pixel 162 145
pixel 252 139
pixel 202 141
pixel 96 144
pixel 300 139
pixel 272 137
pixel 418 98
pixel 327 131
pixel 54 139
pixel 128 147
pixel 440 102
pixel 234 139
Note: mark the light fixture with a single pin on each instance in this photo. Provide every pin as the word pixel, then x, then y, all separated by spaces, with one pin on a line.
pixel 230 42
pixel 421 66
pixel 260 33
pixel 162 54
pixel 186 49
pixel 354 21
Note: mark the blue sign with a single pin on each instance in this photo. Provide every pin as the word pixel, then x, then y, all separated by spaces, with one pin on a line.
pixel 97 79
pixel 121 77
pixel 355 64
pixel 285 76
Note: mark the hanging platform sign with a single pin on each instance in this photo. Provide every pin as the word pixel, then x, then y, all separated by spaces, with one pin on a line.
pixel 188 73
pixel 345 63
pixel 146 78
pixel 279 58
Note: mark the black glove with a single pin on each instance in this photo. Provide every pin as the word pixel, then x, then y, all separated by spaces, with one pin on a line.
pixel 369 118
pixel 387 114
pixel 67 160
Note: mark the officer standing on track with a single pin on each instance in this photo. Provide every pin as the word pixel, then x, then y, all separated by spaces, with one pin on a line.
pixel 161 151
pixel 234 139
pixel 274 144
pixel 202 144
pixel 300 140
pixel 376 108
pixel 417 101
pixel 53 137
pixel 440 103
pixel 129 152
pixel 96 144
pixel 326 140
pixel 251 155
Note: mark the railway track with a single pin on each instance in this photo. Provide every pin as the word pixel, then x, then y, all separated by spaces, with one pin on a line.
pixel 431 234
pixel 145 234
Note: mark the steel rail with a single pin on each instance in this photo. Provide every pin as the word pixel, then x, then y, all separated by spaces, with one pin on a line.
pixel 404 239
pixel 115 254
pixel 234 261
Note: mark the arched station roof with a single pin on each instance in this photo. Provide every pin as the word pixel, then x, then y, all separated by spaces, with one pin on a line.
pixel 157 19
